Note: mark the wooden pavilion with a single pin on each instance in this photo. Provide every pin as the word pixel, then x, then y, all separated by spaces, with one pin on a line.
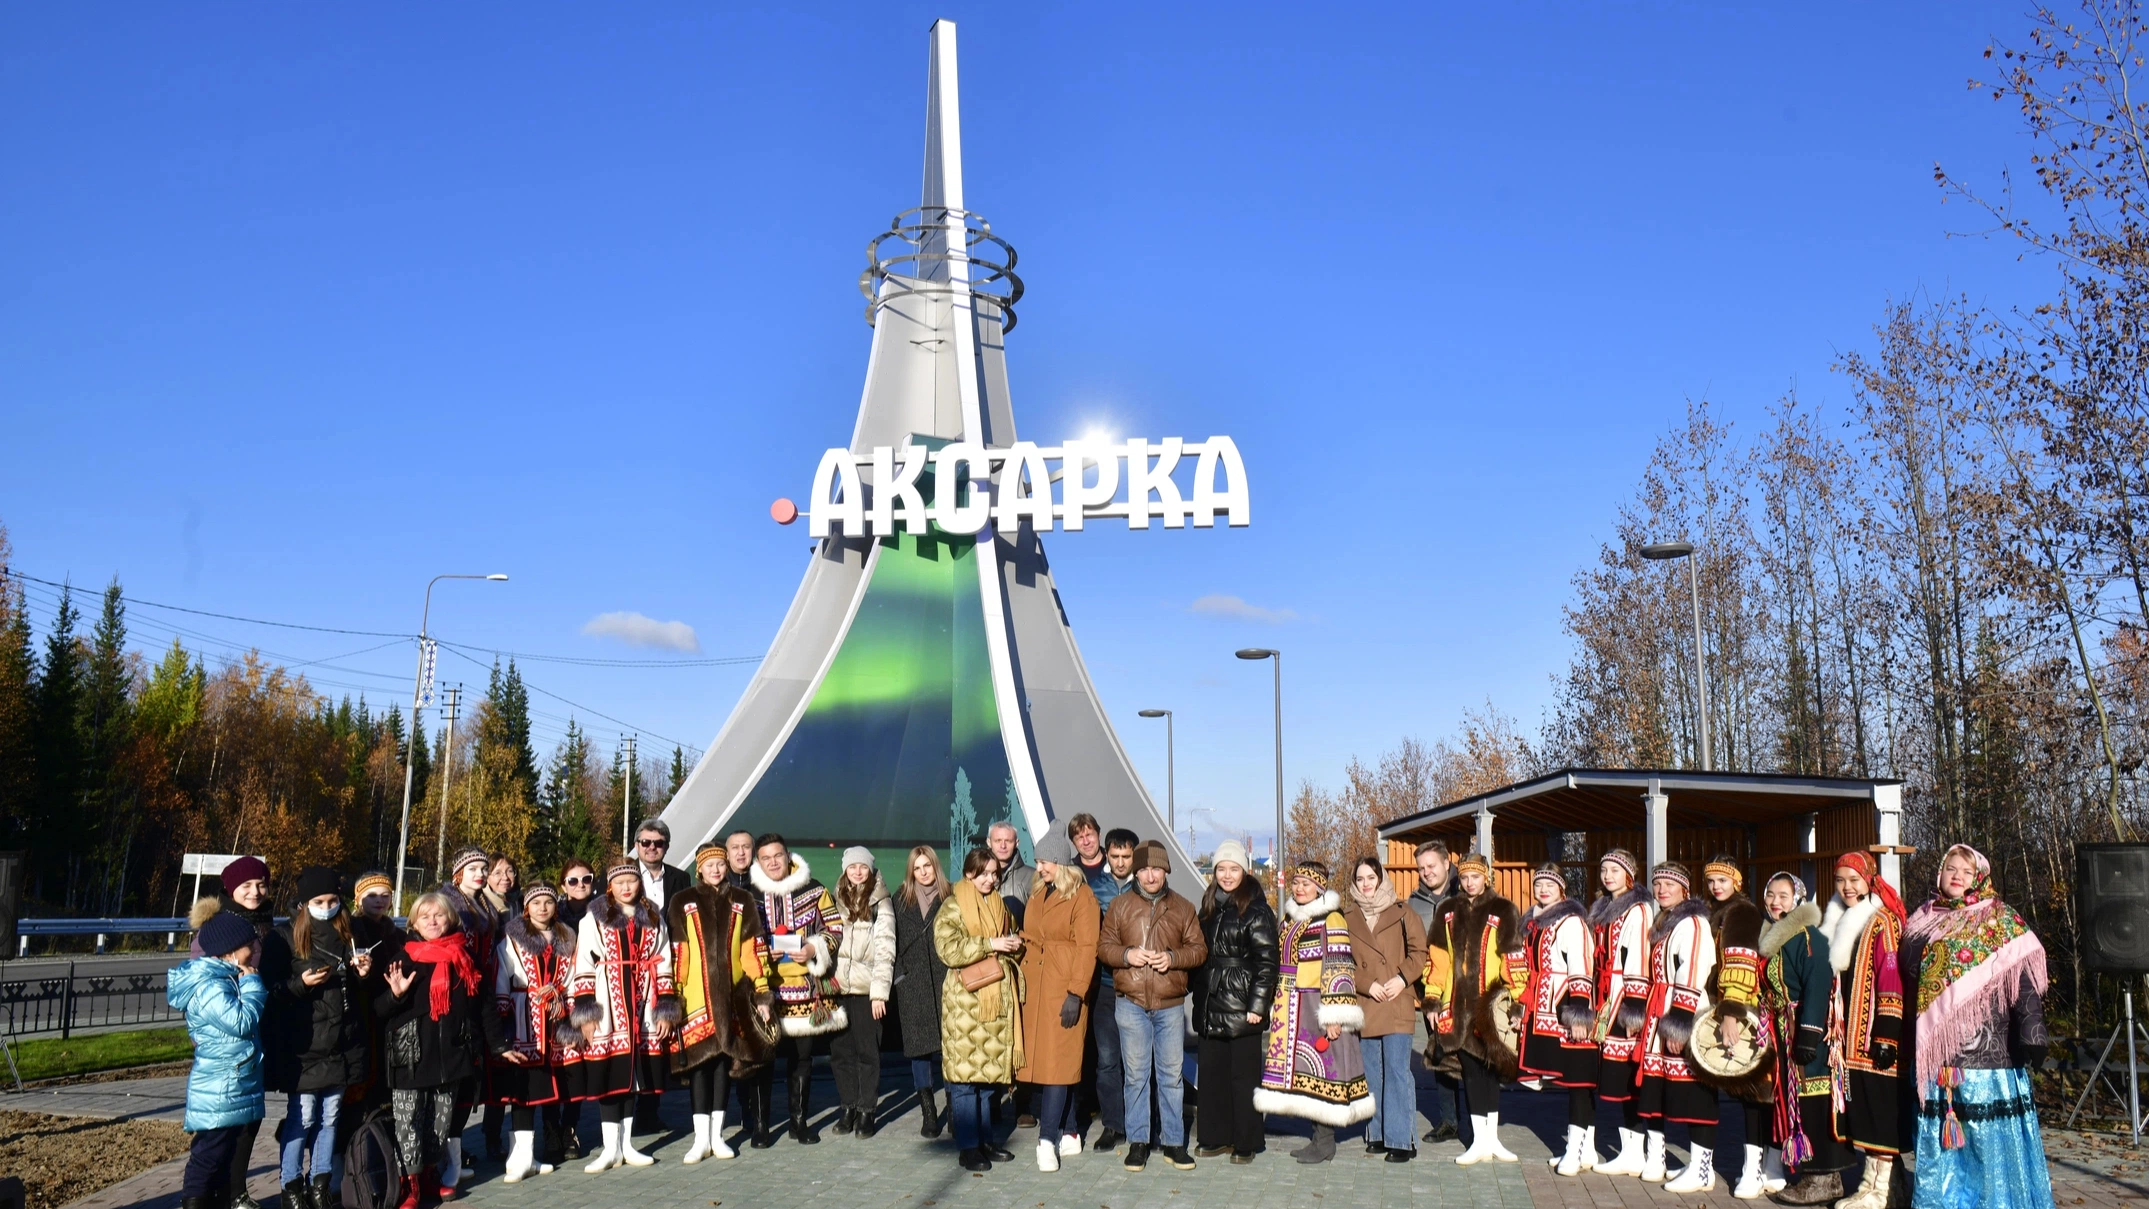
pixel 1767 822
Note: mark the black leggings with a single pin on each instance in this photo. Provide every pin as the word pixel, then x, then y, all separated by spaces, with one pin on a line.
pixel 1481 1088
pixel 614 1109
pixel 1582 1106
pixel 1758 1124
pixel 1630 1114
pixel 709 1086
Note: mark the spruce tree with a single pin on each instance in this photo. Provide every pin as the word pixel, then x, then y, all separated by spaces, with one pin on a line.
pixel 681 769
pixel 105 725
pixel 54 840
pixel 19 783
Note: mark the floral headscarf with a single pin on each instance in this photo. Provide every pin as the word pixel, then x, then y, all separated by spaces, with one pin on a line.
pixel 1977 954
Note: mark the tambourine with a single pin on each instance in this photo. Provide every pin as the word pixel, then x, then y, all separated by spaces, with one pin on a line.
pixel 1742 1069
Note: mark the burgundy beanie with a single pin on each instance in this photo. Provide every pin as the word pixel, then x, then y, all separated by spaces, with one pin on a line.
pixel 244 870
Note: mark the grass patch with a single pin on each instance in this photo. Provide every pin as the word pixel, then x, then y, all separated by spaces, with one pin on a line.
pixel 53 1058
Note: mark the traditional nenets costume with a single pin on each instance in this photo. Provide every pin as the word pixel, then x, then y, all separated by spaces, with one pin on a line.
pixel 1798 992
pixel 1682 955
pixel 1473 956
pixel 1864 941
pixel 533 970
pixel 1620 918
pixel 1303 1072
pixel 1980 984
pixel 1741 1071
pixel 626 1007
pixel 1559 1012
pixel 720 964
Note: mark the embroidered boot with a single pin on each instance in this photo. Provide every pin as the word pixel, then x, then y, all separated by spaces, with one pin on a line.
pixel 1750 1185
pixel 1700 1173
pixel 1570 1163
pixel 1653 1157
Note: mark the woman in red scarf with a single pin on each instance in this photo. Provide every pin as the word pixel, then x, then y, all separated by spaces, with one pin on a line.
pixel 1864 926
pixel 430 1024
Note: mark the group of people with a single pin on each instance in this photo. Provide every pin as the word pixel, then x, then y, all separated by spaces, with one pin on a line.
pixel 1069 986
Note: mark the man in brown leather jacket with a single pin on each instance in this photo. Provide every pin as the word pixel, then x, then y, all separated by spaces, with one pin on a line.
pixel 1151 937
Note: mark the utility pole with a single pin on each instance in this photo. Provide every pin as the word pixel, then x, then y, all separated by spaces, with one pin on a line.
pixel 626 807
pixel 453 706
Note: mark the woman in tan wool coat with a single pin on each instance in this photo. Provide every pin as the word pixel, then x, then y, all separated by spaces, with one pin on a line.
pixel 1059 957
pixel 1389 946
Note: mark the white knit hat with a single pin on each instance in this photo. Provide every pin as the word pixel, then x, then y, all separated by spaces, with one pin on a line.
pixel 855 855
pixel 1233 851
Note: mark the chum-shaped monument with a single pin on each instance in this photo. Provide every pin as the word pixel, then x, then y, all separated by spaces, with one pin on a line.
pixel 925 682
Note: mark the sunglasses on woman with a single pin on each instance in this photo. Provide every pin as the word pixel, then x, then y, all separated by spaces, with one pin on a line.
pixel 582 881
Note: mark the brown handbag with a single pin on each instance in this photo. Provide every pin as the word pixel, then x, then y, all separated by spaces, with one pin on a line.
pixel 981 973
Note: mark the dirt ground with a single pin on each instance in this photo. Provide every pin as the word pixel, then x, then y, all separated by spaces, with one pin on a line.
pixel 61 1158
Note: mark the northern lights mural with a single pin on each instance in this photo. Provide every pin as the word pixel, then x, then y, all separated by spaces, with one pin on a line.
pixel 900 744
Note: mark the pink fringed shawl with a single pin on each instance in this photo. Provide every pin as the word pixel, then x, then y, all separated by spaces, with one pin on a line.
pixel 1977 950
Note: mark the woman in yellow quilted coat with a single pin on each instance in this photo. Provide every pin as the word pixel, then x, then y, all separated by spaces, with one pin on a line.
pixel 981 1029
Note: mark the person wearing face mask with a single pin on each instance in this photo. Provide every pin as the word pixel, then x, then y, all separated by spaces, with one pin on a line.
pixel 1558 1010
pixel 1312 1065
pixel 865 968
pixel 1720 1057
pixel 246 896
pixel 1682 955
pixel 919 973
pixel 1799 987
pixel 1864 923
pixel 526 1029
pixel 315 1038
pixel 1980 1030
pixel 1389 948
pixel 1473 957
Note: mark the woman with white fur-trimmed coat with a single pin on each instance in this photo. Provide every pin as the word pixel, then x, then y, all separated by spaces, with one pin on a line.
pixel 626 1009
pixel 1311 1065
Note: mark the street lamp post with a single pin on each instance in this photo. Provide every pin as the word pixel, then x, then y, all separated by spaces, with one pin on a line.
pixel 402 846
pixel 1171 791
pixel 1255 652
pixel 1685 550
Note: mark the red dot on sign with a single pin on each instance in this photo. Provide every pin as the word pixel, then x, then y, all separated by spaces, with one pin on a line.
pixel 783 512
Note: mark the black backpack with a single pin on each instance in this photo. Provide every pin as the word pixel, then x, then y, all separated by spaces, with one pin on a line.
pixel 372 1170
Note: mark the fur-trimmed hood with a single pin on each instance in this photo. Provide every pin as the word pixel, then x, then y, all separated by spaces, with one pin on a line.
pixel 607 912
pixel 1844 925
pixel 1779 932
pixel 1320 908
pixel 1692 908
pixel 1609 907
pixel 1556 914
pixel 798 879
pixel 532 942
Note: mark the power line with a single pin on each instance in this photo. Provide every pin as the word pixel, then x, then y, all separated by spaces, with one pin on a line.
pixel 288 625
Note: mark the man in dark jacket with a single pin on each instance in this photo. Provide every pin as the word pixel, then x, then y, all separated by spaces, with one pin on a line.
pixel 659 880
pixel 1151 937
pixel 1111 871
pixel 1436 883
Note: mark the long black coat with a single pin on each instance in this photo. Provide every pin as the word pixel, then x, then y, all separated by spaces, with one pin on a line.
pixel 919 973
pixel 1240 975
pixel 422 1051
pixel 313 1038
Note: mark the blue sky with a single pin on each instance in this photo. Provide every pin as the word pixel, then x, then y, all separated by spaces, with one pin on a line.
pixel 302 306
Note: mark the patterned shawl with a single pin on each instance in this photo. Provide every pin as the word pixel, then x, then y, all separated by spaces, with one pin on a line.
pixel 1977 951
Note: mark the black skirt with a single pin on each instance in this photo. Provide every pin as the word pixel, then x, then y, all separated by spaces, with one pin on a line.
pixel 620 1075
pixel 1871 1120
pixel 1817 1117
pixel 1680 1100
pixel 1616 1078
pixel 1548 1057
pixel 524 1085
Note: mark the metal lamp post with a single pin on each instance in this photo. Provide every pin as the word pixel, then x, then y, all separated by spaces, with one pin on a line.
pixel 402 847
pixel 1685 550
pixel 1171 792
pixel 1255 652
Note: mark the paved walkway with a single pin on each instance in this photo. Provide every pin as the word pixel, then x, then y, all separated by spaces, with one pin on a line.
pixel 898 1168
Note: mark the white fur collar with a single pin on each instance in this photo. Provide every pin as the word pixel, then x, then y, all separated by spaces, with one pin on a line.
pixel 1319 908
pixel 1844 926
pixel 800 875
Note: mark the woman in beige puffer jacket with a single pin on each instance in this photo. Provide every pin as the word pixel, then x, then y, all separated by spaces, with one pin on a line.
pixel 865 969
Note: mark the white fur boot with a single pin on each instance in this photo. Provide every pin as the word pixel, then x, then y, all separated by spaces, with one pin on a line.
pixel 1048 1155
pixel 1700 1173
pixel 518 1157
pixel 700 1149
pixel 1750 1185
pixel 1773 1177
pixel 451 1163
pixel 627 1153
pixel 1476 1152
pixel 1873 1189
pixel 717 1148
pixel 1492 1143
pixel 1570 1163
pixel 1629 1159
pixel 1589 1149
pixel 1653 1157
pixel 607 1157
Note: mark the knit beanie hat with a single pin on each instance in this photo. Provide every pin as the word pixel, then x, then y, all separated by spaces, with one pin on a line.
pixel 244 870
pixel 1055 848
pixel 857 855
pixel 464 856
pixel 1150 854
pixel 317 880
pixel 225 933
pixel 1233 851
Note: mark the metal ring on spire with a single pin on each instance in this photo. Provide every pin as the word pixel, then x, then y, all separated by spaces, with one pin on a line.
pixel 921 236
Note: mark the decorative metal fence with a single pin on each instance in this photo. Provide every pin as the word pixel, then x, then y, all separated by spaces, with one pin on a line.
pixel 83 999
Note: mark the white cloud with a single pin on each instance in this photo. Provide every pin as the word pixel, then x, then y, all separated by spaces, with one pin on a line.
pixel 637 630
pixel 1236 608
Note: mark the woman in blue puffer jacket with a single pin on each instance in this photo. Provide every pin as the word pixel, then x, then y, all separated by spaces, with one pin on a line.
pixel 222 996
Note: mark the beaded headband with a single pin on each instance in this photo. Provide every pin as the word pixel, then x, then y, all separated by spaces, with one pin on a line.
pixel 1477 861
pixel 706 851
pixel 1724 869
pixel 1625 860
pixel 1672 871
pixel 368 884
pixel 622 869
pixel 1311 874
pixel 539 889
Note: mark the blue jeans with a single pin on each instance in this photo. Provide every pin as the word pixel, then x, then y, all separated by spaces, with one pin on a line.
pixel 1111 1075
pixel 1395 1090
pixel 1153 1039
pixel 310 1121
pixel 925 1073
pixel 968 1104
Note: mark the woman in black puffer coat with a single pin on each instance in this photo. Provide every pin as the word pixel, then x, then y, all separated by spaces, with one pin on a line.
pixel 314 1036
pixel 1232 991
